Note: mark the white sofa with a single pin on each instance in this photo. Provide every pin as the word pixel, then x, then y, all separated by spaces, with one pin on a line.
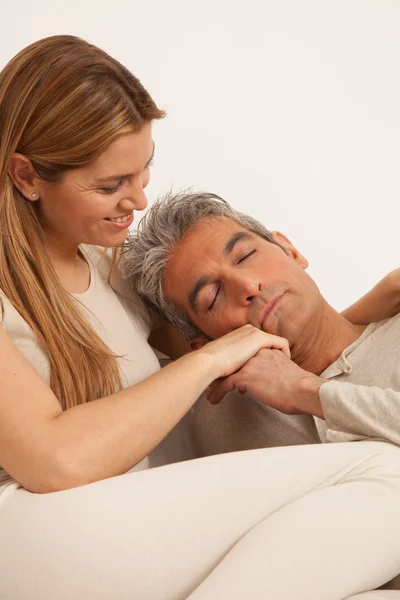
pixel 243 423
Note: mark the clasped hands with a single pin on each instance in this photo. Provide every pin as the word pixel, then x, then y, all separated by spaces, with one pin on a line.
pixel 274 379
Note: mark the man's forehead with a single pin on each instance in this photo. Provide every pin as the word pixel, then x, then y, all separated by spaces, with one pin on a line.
pixel 215 228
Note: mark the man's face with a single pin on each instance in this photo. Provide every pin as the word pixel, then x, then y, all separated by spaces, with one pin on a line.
pixel 225 276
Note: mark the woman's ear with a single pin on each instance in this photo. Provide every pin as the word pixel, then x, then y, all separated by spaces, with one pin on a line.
pixel 24 176
pixel 198 343
pixel 290 250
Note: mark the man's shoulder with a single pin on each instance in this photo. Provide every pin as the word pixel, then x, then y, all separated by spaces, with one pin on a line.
pixel 380 340
pixel 386 329
pixel 375 360
pixel 377 349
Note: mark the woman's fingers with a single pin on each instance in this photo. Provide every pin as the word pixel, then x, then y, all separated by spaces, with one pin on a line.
pixel 279 343
pixel 233 350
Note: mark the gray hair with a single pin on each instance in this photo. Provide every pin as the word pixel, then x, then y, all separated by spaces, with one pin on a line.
pixel 147 251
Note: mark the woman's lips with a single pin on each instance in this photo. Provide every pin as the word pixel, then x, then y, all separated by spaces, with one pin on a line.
pixel 270 309
pixel 126 223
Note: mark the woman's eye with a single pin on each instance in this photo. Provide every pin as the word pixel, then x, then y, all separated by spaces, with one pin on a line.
pixel 112 190
pixel 247 256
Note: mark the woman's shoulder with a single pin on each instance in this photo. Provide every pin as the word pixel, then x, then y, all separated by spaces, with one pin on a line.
pixel 10 318
pixel 101 260
pixel 7 310
pixel 22 336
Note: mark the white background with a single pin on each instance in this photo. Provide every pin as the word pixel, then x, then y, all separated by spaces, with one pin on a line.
pixel 289 109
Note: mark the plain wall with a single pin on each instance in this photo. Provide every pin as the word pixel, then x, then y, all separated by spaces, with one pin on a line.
pixel 290 110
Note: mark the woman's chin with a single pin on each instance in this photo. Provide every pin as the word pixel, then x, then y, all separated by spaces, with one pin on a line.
pixel 109 241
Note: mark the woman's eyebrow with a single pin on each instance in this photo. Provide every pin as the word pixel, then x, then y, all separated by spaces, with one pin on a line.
pixel 113 178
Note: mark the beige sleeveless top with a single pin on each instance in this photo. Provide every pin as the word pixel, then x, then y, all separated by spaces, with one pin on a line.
pixel 115 313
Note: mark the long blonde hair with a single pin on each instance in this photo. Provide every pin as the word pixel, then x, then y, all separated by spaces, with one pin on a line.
pixel 62 102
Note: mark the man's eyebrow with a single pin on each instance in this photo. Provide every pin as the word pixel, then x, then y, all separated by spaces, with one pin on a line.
pixel 194 294
pixel 240 236
pixel 113 178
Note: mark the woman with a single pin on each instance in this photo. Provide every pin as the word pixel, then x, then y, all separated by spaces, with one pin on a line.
pixel 82 400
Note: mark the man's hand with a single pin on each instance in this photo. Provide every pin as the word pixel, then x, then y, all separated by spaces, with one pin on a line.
pixel 275 380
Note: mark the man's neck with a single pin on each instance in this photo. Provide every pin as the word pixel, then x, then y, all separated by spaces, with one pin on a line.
pixel 323 344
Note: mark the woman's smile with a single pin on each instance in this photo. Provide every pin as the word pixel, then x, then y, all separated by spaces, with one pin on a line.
pixel 121 222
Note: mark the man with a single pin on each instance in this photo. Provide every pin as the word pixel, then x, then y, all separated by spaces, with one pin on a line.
pixel 210 269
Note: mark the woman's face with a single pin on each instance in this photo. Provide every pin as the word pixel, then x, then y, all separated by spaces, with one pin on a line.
pixel 95 204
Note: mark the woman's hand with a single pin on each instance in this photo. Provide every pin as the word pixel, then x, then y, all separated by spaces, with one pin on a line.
pixel 382 302
pixel 230 352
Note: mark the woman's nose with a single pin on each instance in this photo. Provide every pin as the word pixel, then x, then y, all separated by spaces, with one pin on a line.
pixel 137 200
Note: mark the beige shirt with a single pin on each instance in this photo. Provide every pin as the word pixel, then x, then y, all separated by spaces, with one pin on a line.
pixel 362 400
pixel 115 313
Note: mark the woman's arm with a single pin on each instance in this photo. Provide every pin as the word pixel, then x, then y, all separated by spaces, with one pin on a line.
pixel 382 302
pixel 48 450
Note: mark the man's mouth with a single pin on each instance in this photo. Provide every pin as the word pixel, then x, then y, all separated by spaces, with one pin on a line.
pixel 269 309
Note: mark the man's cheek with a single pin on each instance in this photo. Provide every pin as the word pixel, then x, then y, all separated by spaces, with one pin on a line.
pixel 222 326
pixel 213 329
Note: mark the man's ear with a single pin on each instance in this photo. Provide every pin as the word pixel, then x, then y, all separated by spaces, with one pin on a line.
pixel 198 343
pixel 24 176
pixel 291 251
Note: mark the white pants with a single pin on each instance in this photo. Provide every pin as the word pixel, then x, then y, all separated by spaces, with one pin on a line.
pixel 306 522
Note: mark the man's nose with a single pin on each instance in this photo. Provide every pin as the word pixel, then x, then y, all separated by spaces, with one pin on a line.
pixel 246 289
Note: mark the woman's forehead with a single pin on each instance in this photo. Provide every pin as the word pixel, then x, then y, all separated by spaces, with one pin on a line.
pixel 128 154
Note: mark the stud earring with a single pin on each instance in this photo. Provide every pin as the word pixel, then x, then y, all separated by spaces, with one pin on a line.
pixel 34 195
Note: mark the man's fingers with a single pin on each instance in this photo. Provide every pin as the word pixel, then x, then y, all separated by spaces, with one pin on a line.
pixel 218 392
pixel 213 386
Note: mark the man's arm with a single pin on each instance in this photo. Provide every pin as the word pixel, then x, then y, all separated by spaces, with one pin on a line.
pixel 382 302
pixel 351 411
pixel 360 411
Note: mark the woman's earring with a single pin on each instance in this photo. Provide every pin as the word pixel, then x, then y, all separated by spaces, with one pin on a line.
pixel 34 195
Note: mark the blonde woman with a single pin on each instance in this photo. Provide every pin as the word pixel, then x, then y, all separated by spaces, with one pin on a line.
pixel 82 400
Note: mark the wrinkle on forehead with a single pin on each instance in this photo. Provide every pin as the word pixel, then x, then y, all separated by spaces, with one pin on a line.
pixel 192 239
pixel 208 222
pixel 220 235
